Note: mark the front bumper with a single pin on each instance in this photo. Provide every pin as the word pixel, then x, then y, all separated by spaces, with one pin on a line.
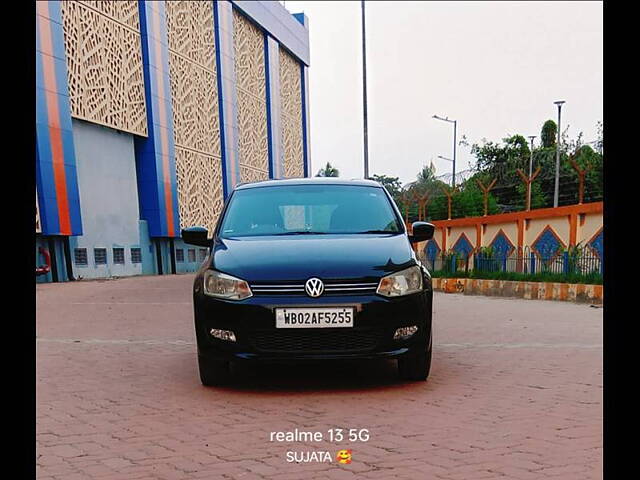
pixel 253 323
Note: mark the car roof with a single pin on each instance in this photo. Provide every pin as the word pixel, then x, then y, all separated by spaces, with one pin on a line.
pixel 309 181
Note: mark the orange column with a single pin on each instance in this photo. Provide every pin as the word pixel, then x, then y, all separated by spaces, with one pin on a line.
pixel 520 249
pixel 573 229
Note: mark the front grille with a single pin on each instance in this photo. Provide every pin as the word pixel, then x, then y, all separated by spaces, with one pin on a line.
pixel 329 289
pixel 343 340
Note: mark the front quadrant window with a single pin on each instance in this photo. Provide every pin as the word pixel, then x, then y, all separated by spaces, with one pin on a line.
pixel 311 209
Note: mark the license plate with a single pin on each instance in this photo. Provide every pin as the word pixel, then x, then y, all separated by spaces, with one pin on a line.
pixel 314 317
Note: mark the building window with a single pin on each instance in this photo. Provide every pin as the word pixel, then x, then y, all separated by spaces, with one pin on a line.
pixel 118 256
pixel 203 254
pixel 136 255
pixel 100 256
pixel 80 256
pixel 192 255
pixel 179 255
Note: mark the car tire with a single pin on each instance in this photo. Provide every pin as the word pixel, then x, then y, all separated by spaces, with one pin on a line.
pixel 213 372
pixel 416 366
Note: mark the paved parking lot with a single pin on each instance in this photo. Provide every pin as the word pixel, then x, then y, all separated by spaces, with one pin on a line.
pixel 515 392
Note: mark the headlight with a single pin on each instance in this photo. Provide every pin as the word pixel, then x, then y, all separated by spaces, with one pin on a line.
pixel 401 283
pixel 221 285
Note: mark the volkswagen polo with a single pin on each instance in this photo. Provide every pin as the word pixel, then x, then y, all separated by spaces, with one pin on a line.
pixel 311 269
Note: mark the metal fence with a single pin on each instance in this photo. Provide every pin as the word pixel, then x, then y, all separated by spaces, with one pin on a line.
pixel 507 195
pixel 583 261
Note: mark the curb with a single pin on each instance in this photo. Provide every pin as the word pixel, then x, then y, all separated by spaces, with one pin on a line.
pixel 569 292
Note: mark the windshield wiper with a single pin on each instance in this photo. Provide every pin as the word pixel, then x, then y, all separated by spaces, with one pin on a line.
pixel 377 231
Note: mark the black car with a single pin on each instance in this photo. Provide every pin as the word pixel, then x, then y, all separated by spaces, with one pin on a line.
pixel 309 269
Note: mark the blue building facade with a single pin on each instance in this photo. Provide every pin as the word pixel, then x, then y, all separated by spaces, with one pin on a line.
pixel 139 138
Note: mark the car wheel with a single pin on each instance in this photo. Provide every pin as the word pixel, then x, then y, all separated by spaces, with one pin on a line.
pixel 415 366
pixel 213 372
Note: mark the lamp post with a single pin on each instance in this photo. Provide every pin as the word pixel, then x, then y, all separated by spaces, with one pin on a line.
pixel 531 137
pixel 455 124
pixel 448 160
pixel 556 189
pixel 364 95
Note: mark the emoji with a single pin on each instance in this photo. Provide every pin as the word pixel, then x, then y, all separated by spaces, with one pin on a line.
pixel 343 456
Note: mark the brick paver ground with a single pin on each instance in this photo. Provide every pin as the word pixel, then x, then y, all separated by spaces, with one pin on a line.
pixel 515 392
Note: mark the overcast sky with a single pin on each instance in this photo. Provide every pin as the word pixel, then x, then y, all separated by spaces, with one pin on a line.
pixel 495 67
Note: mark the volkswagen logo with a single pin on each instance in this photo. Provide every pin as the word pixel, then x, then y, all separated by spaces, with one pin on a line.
pixel 314 287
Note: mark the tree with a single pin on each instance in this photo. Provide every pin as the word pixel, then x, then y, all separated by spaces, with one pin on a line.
pixel 426 182
pixel 427 174
pixel 538 198
pixel 548 134
pixel 392 184
pixel 472 197
pixel 587 158
pixel 599 144
pixel 328 171
pixel 500 161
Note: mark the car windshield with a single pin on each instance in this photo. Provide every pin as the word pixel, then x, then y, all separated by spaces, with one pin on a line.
pixel 309 209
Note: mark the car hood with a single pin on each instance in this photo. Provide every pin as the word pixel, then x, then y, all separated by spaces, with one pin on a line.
pixel 297 258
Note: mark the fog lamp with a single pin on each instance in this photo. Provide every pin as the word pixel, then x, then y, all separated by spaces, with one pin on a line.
pixel 227 335
pixel 405 332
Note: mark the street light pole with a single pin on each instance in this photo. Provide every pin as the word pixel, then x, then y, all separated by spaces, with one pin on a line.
pixel 455 126
pixel 531 137
pixel 364 95
pixel 556 190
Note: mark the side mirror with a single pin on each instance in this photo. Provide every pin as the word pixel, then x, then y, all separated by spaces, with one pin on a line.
pixel 196 236
pixel 421 232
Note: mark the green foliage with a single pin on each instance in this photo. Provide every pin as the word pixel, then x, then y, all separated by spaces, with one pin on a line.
pixel 427 183
pixel 392 184
pixel 437 209
pixel 490 267
pixel 599 141
pixel 328 171
pixel 500 161
pixel 487 252
pixel 469 202
pixel 587 157
pixel 589 279
pixel 538 198
pixel 448 265
pixel 548 134
pixel 427 175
